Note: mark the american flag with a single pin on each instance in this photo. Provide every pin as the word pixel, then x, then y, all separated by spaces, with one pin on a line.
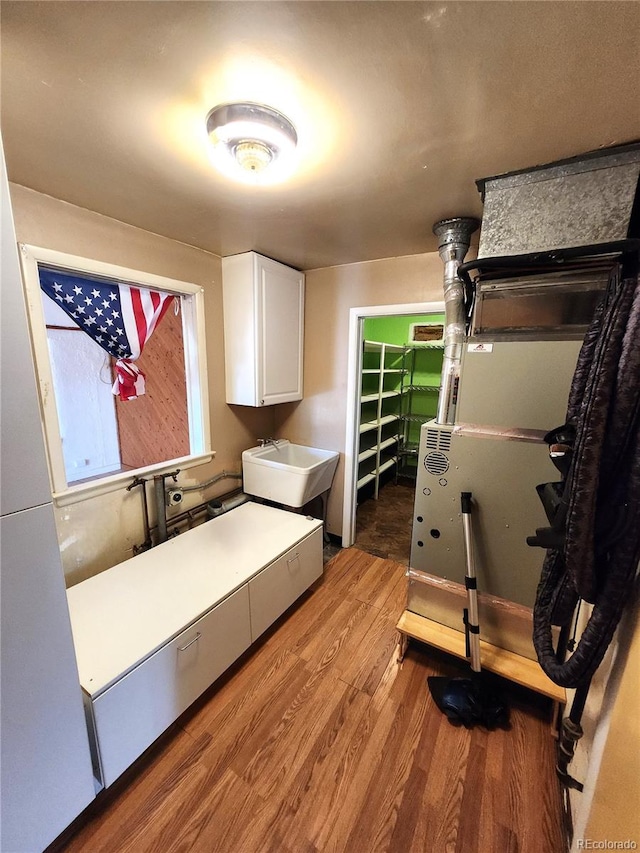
pixel 119 317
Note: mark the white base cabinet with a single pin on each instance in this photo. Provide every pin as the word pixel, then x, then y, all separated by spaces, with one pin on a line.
pixel 135 711
pixel 154 632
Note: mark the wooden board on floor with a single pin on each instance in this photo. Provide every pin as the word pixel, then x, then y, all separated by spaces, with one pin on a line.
pixel 520 670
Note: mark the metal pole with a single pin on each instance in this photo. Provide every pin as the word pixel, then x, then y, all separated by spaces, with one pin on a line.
pixel 473 625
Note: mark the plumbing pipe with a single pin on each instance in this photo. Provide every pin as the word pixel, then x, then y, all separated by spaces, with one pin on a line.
pixel 187 515
pixel 454 237
pixel 139 481
pixel 192 512
pixel 221 476
pixel 161 515
pixel 161 509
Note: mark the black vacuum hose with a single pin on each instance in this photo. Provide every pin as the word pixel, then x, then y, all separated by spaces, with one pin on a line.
pixel 602 537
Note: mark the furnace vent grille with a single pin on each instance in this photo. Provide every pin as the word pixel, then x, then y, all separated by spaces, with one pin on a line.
pixel 438 440
pixel 436 463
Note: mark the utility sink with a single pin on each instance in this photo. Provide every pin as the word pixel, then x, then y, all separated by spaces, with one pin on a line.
pixel 289 474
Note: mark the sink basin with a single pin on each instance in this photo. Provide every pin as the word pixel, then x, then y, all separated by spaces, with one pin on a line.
pixel 289 474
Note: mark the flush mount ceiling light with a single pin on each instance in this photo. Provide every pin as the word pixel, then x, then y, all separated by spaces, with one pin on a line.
pixel 251 142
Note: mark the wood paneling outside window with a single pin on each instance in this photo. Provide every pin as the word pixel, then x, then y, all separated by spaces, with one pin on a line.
pixel 156 426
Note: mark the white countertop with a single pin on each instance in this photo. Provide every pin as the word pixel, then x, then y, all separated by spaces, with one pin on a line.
pixel 124 614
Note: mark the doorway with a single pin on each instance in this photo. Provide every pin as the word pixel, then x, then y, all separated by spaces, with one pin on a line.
pixel 368 412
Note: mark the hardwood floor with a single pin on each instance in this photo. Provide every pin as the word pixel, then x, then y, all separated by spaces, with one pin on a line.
pixel 318 740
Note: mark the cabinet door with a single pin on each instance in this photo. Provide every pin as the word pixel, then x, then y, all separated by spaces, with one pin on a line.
pixel 280 320
pixel 277 586
pixel 133 712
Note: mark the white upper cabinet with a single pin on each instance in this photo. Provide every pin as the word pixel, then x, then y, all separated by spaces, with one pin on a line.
pixel 263 330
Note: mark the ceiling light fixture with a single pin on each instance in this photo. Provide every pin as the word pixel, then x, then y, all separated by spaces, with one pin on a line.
pixel 251 142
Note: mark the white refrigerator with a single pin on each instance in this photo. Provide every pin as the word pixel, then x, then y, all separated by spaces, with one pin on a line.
pixel 46 776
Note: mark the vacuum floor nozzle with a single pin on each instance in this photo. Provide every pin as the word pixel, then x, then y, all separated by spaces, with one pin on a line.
pixel 469 702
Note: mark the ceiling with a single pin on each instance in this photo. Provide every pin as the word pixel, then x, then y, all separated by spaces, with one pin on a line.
pixel 399 108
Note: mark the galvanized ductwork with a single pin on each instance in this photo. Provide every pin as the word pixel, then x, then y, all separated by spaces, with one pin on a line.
pixel 579 202
pixel 454 238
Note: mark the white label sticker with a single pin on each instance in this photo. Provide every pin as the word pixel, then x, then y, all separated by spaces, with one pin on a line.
pixel 479 347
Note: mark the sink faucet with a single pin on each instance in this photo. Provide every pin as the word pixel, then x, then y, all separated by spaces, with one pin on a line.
pixel 263 442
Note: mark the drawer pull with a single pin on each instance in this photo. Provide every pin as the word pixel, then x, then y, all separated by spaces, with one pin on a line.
pixel 294 559
pixel 190 643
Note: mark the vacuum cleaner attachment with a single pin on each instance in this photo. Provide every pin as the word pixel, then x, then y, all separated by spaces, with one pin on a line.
pixel 469 701
pixel 555 496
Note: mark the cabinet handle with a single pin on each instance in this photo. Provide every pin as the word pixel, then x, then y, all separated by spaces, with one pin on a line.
pixel 190 643
pixel 293 559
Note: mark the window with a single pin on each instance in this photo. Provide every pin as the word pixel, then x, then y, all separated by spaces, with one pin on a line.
pixel 95 439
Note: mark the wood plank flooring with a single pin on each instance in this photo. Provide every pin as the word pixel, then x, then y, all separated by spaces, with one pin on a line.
pixel 318 740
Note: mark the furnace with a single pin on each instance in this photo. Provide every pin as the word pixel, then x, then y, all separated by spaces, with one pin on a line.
pixel 551 245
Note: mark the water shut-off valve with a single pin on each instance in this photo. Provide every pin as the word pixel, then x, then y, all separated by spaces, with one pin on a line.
pixel 174 497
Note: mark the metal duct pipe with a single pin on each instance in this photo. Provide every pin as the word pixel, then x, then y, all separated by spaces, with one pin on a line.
pixel 454 237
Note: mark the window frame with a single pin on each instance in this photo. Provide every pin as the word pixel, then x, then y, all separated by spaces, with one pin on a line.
pixel 193 327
